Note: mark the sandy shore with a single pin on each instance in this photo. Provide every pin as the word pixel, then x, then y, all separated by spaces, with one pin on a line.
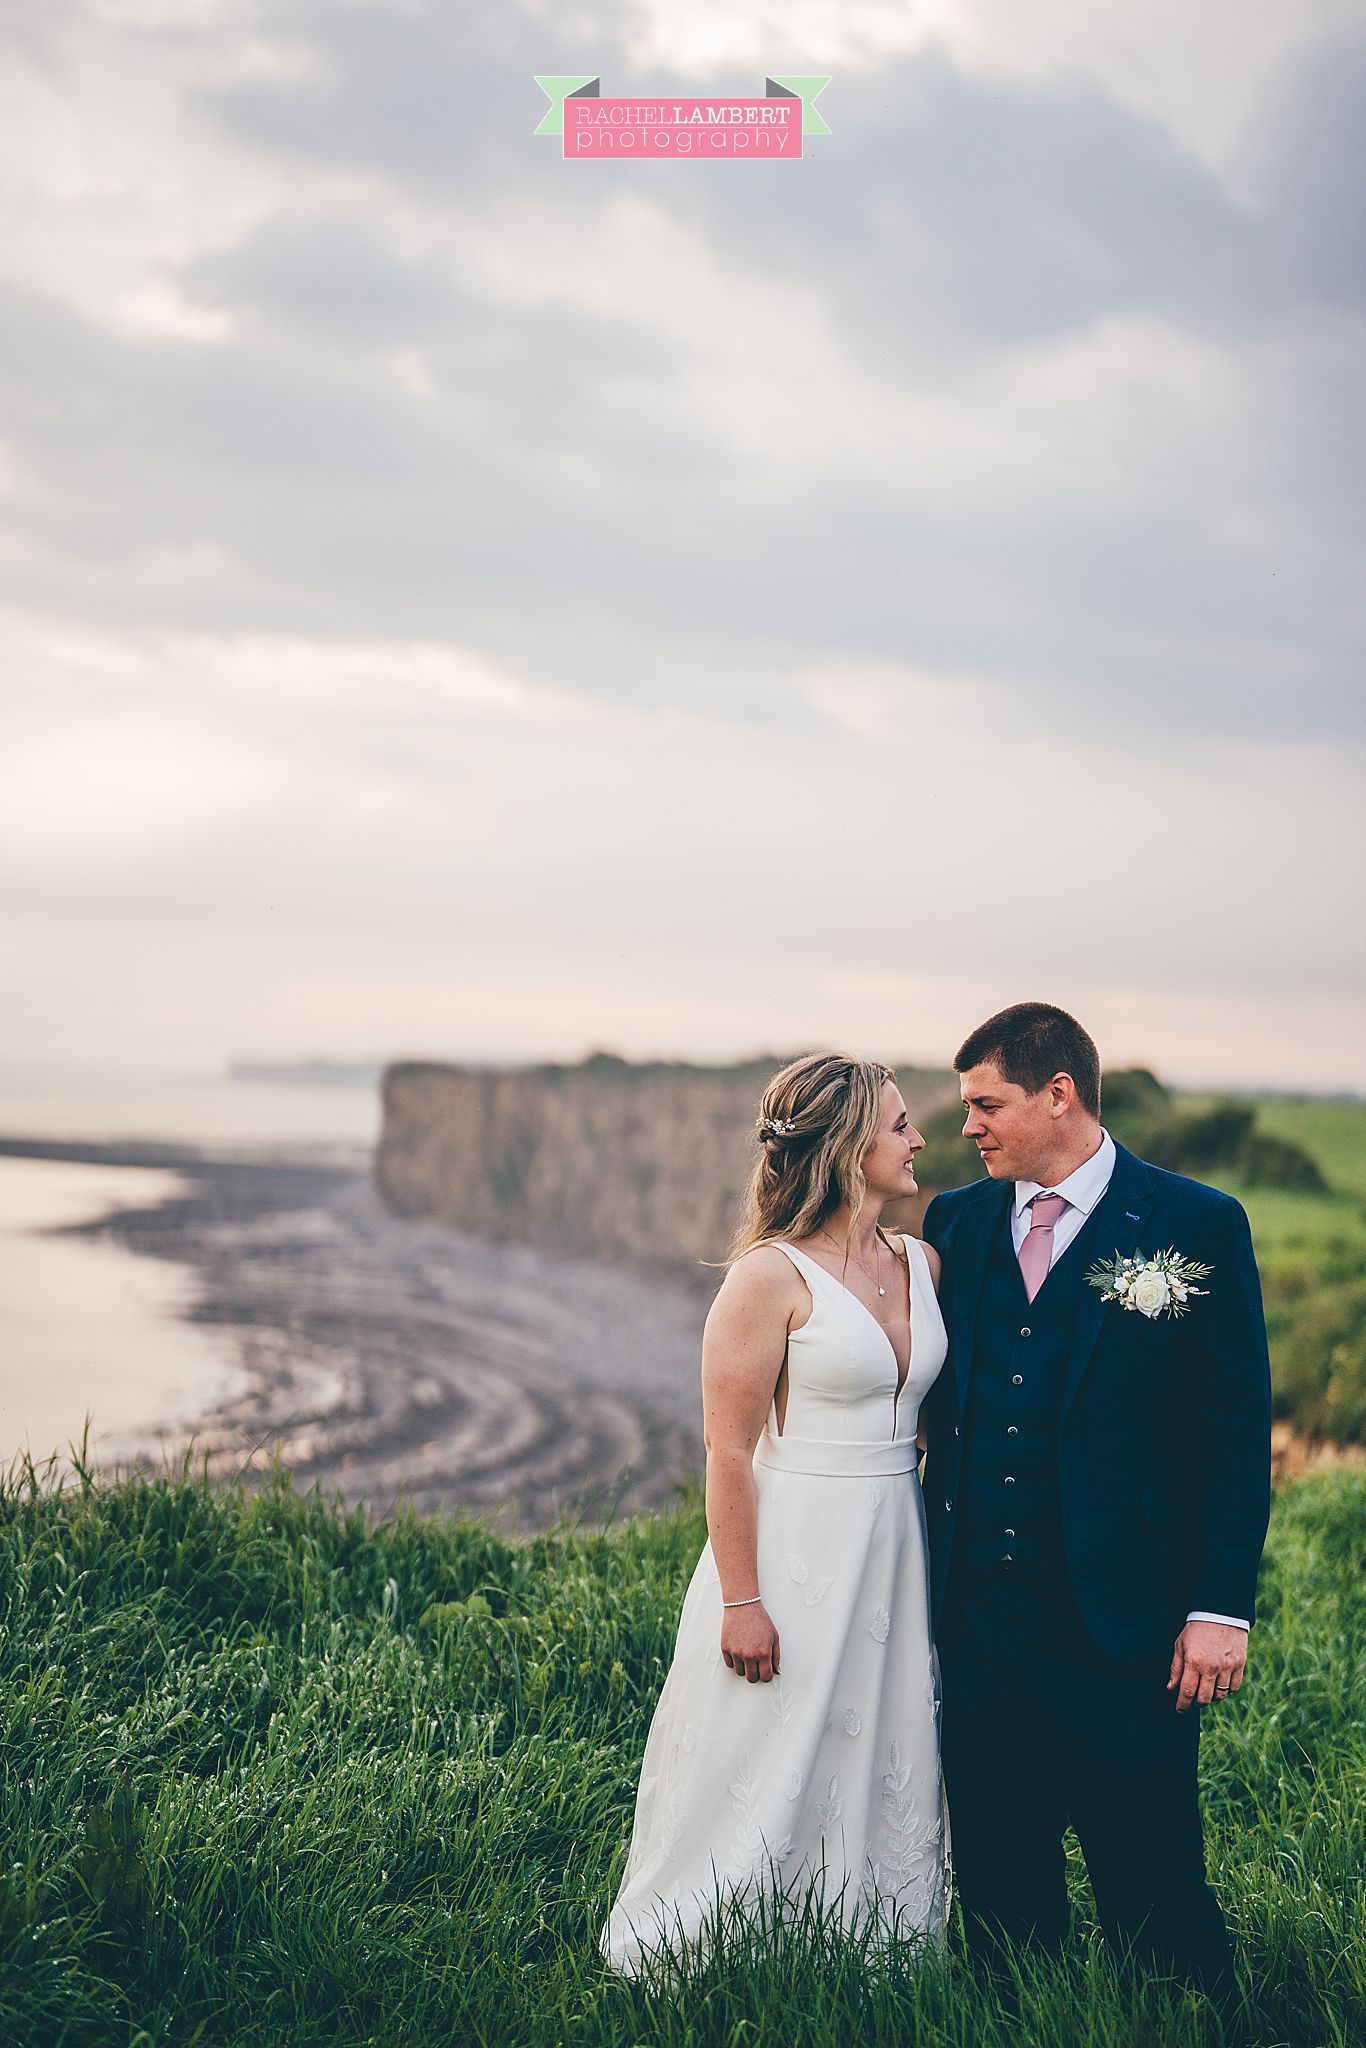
pixel 385 1357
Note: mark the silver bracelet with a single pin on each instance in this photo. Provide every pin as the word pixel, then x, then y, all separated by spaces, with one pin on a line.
pixel 752 1601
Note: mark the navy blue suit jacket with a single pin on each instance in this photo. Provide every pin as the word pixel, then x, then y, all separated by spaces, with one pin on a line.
pixel 1165 1431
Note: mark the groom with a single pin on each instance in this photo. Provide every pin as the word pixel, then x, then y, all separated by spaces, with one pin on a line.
pixel 1097 1489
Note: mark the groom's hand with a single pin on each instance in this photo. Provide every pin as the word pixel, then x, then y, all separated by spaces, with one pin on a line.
pixel 1207 1663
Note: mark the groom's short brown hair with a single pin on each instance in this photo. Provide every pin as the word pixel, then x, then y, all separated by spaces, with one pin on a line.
pixel 1030 1043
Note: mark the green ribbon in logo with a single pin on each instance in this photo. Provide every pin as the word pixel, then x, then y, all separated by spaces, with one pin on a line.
pixel 557 91
pixel 807 90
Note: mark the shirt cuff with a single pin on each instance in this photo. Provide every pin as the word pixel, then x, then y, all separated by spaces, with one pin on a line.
pixel 1228 1620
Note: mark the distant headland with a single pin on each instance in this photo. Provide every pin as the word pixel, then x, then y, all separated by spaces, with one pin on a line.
pixel 608 1159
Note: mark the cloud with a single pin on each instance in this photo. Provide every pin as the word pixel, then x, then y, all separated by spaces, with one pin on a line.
pixel 1011 340
pixel 407 789
pixel 415 542
pixel 1201 76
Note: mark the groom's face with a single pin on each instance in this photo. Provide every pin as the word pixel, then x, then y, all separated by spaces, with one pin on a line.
pixel 1013 1131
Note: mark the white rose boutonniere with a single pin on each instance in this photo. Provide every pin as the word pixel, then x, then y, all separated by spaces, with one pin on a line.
pixel 1163 1285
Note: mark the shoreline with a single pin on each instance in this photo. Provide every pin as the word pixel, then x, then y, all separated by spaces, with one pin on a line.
pixel 387 1358
pixel 384 1357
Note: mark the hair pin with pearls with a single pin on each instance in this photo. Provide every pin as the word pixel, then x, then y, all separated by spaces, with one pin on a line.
pixel 774 1124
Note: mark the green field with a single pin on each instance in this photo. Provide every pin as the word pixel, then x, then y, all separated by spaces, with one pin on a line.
pixel 1334 1132
pixel 1285 1218
pixel 256 1793
pixel 1311 1247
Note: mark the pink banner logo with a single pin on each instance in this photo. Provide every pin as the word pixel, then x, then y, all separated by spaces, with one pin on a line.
pixel 749 128
pixel 669 125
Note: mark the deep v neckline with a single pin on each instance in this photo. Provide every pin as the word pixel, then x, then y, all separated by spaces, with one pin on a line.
pixel 901 1378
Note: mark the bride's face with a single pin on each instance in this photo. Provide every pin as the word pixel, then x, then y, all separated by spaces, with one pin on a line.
pixel 889 1162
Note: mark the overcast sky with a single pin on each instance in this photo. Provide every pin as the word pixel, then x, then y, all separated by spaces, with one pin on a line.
pixel 457 602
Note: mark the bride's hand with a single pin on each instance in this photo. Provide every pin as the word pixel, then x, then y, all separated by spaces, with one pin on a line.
pixel 749 1643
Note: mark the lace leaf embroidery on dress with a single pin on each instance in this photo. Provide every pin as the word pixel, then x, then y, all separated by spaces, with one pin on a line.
pixel 747 1850
pixel 674 1825
pixel 910 1842
pixel 781 1701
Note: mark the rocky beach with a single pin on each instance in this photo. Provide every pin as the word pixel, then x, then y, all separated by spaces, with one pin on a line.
pixel 391 1358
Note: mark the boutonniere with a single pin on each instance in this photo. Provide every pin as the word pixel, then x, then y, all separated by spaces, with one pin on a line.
pixel 1160 1286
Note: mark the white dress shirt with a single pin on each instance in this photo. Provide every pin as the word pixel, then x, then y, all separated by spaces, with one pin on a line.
pixel 1081 1190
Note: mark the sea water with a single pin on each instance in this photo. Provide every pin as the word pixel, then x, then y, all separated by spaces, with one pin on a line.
pixel 91 1331
pixel 87 1327
pixel 41 1099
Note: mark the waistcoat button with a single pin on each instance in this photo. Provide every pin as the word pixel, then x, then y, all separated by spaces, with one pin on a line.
pixel 1026 1331
pixel 1017 1379
pixel 1011 1429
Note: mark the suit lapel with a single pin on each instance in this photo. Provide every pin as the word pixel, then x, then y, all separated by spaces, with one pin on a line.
pixel 1117 1223
pixel 977 1232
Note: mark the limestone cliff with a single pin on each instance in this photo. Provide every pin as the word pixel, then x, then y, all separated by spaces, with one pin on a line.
pixel 607 1158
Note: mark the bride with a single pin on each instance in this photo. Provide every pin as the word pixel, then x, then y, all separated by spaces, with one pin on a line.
pixel 794 1751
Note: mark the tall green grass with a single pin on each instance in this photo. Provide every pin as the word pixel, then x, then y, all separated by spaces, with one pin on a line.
pixel 272 1776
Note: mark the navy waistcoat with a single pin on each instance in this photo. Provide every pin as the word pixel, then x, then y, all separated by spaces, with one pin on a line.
pixel 1009 1498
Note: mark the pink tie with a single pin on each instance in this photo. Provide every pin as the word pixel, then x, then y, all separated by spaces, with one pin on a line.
pixel 1036 1253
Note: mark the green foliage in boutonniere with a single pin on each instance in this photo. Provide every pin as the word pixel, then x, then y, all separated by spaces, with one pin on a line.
pixel 1163 1285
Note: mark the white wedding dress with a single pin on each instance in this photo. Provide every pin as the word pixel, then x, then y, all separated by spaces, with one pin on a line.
pixel 827 1778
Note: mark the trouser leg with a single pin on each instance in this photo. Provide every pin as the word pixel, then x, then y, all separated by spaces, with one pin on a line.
pixel 1006 1812
pixel 1039 1730
pixel 1127 1762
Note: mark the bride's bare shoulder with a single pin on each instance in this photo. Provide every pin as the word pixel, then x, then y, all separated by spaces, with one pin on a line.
pixel 761 1267
pixel 762 1277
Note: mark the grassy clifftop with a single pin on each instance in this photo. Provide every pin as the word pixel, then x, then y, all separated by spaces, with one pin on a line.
pixel 273 1777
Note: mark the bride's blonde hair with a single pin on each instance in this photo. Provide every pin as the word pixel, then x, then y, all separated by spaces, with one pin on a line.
pixel 817 1119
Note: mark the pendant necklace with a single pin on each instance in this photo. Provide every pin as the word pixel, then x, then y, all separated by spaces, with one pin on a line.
pixel 876 1277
